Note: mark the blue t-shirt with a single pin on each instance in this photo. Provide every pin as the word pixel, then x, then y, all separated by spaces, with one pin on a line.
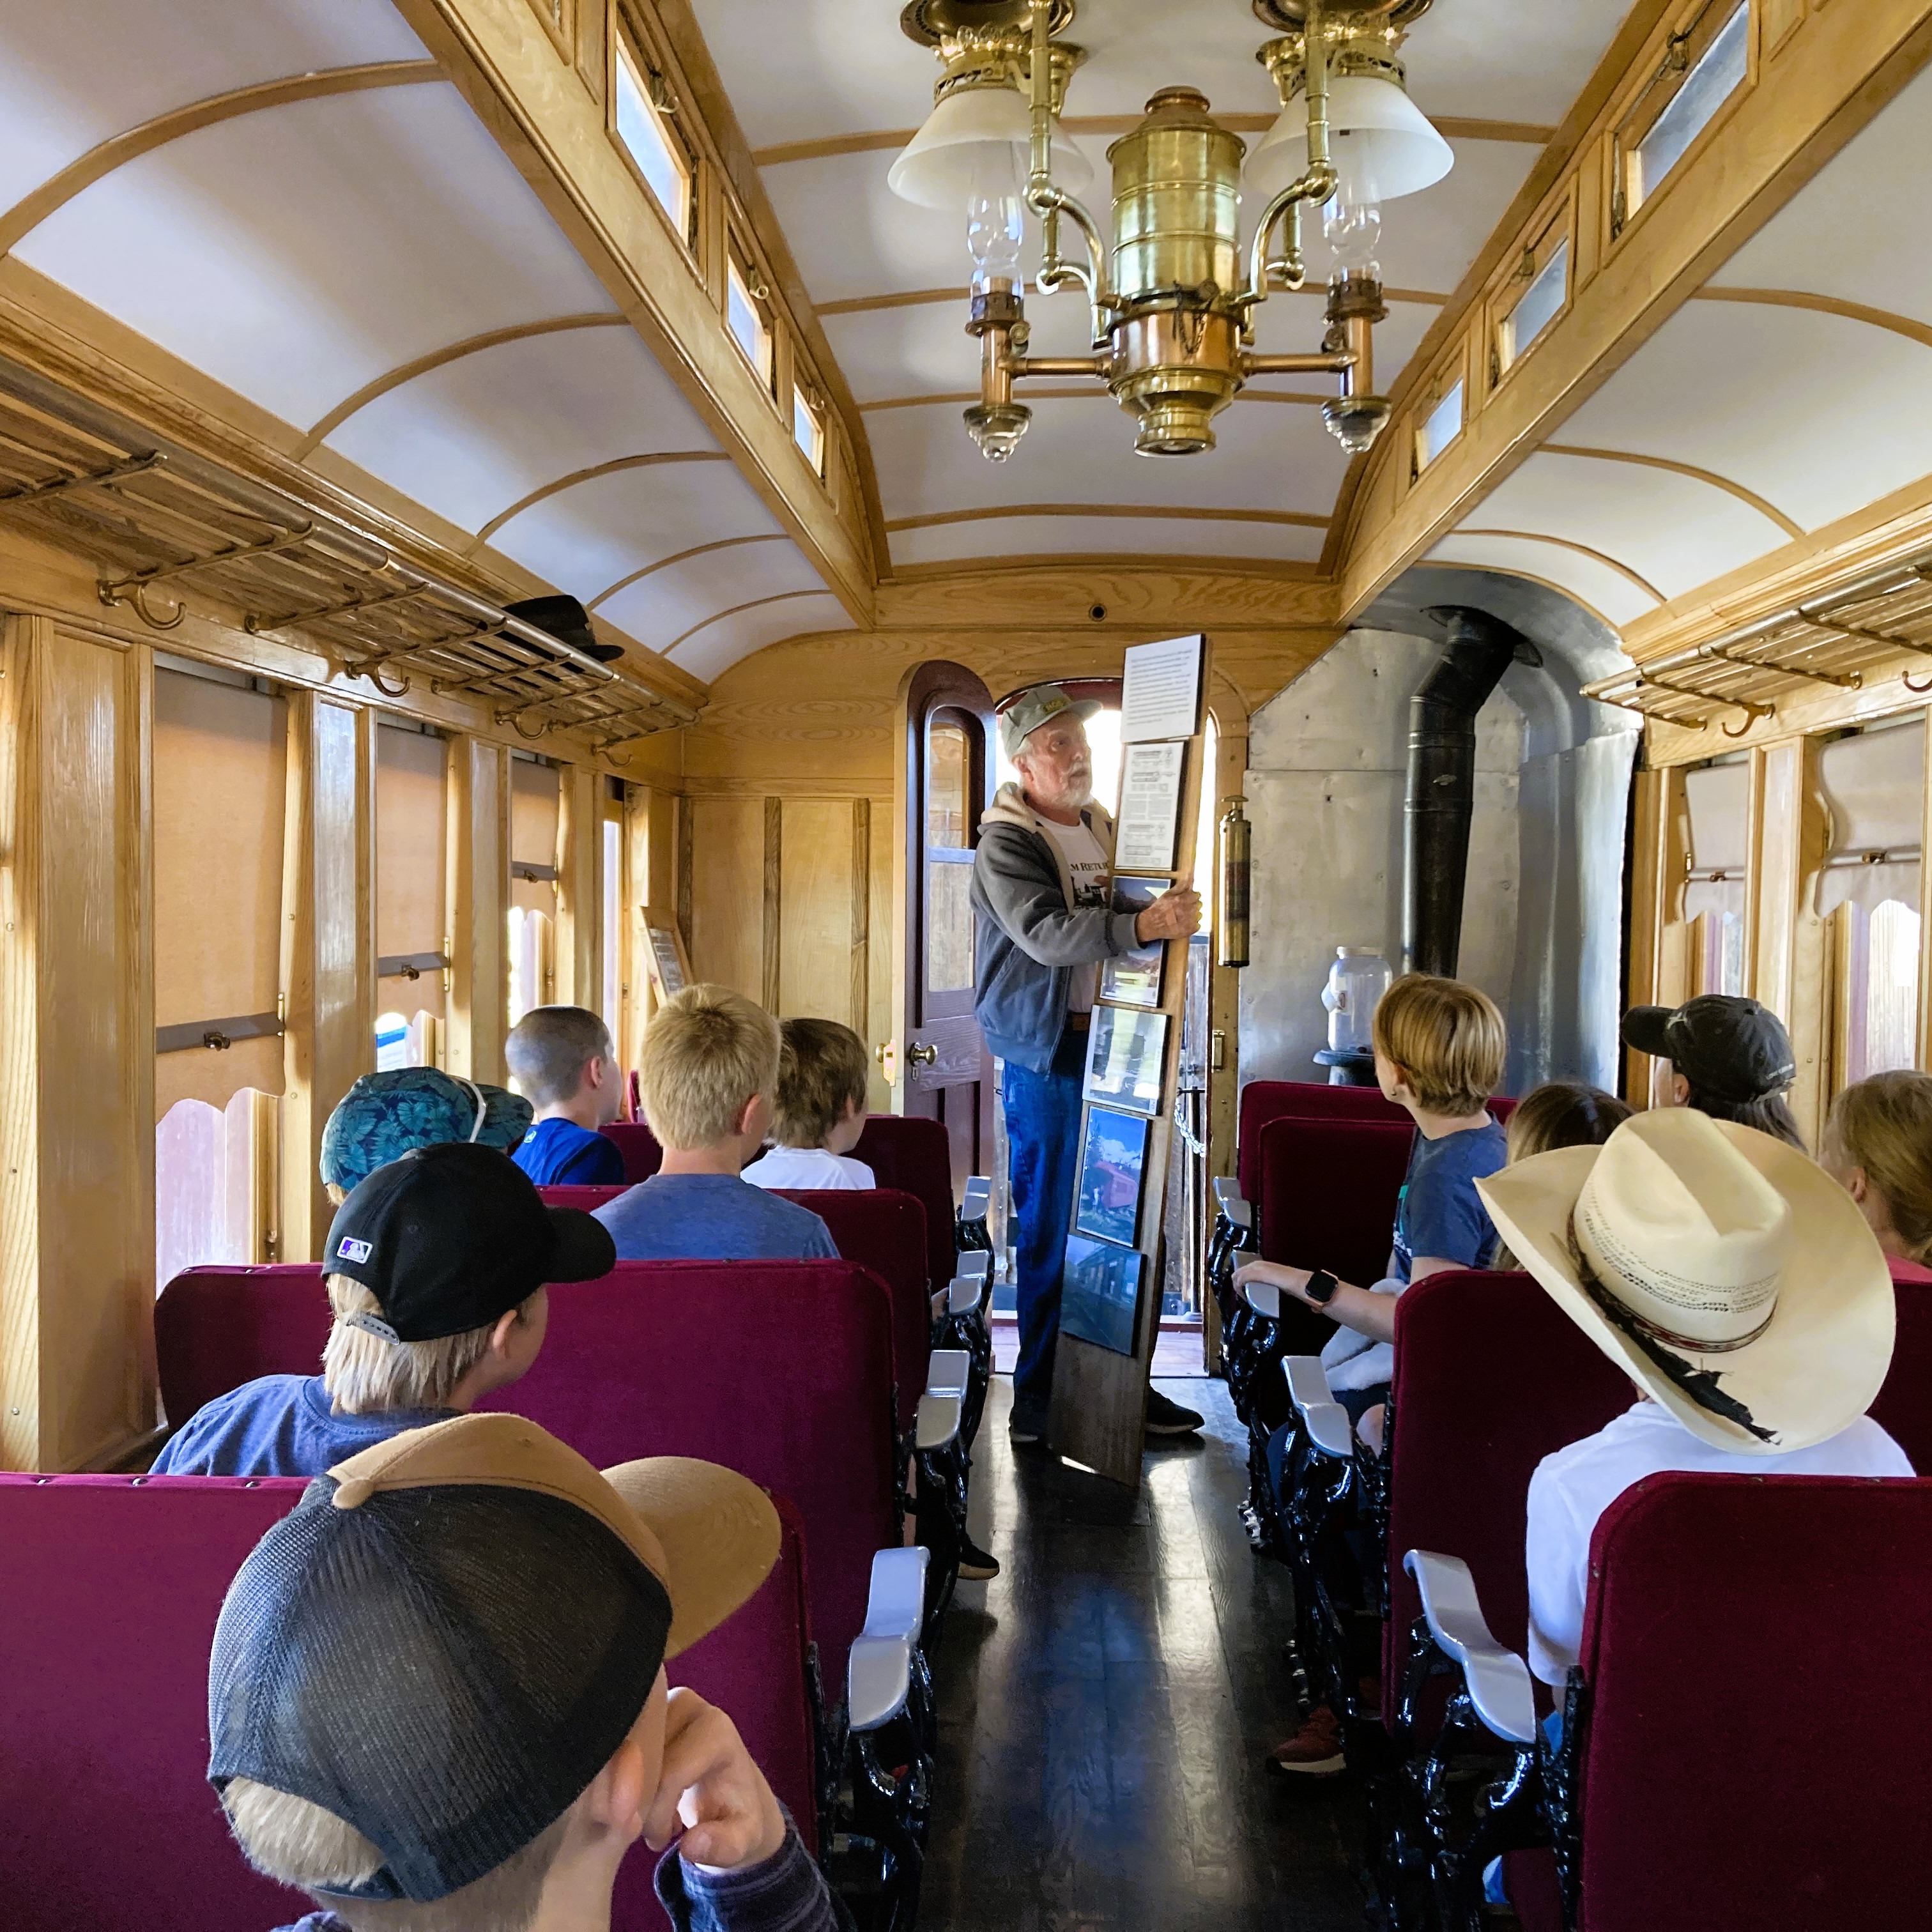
pixel 559 1153
pixel 713 1217
pixel 1438 1212
pixel 279 1426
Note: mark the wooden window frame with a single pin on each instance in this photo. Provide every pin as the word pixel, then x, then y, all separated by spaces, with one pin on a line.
pixel 559 18
pixel 627 43
pixel 1690 35
pixel 744 275
pixel 1557 233
pixel 1430 396
pixel 805 397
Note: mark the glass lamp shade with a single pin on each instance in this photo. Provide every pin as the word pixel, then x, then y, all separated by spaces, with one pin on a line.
pixel 1383 145
pixel 944 164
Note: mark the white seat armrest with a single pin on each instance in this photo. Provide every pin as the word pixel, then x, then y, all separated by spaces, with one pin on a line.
pixel 1264 1297
pixel 1230 1202
pixel 974 1264
pixel 1498 1679
pixel 947 1371
pixel 1307 1381
pixel 978 1199
pixel 1330 1430
pixel 966 1292
pixel 937 1422
pixel 895 1605
pixel 878 1676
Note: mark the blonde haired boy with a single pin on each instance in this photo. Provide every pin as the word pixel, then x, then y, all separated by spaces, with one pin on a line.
pixel 819 1111
pixel 437 1267
pixel 1439 1046
pixel 708 1071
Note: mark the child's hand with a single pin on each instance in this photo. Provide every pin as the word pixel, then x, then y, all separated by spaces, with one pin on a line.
pixel 711 1789
pixel 1273 1274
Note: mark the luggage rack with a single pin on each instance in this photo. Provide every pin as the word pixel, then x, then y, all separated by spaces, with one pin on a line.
pixel 156 519
pixel 1838 639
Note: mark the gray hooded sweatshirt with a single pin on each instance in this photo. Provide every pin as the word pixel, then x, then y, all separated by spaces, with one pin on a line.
pixel 1031 935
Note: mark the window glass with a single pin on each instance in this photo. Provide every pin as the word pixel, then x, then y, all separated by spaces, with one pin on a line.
pixel 807 430
pixel 1538 309
pixel 1440 428
pixel 947 765
pixel 746 313
pixel 1715 77
pixel 647 142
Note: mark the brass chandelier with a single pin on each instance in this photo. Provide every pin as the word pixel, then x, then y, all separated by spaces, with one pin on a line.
pixel 1171 307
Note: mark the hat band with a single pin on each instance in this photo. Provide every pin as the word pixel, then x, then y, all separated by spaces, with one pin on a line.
pixel 372 1324
pixel 1603 1294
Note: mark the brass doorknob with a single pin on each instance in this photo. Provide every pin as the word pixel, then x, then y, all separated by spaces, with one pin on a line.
pixel 922 1056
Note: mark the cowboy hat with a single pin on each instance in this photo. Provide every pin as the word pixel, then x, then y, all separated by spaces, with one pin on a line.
pixel 1724 1271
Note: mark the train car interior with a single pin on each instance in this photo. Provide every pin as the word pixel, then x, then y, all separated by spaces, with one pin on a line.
pixel 974 949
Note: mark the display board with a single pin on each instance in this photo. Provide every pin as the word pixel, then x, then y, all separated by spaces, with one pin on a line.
pixel 1110 1286
pixel 665 954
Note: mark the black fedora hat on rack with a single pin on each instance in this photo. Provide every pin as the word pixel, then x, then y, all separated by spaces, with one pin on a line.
pixel 567 621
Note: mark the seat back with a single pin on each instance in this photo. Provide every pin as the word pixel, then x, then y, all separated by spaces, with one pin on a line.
pixel 782 1370
pixel 884 1229
pixel 565 1194
pixel 109 1592
pixel 642 1157
pixel 1706 1801
pixel 1265 1100
pixel 1328 1190
pixel 1904 1405
pixel 915 1155
pixel 218 1327
pixel 1490 1377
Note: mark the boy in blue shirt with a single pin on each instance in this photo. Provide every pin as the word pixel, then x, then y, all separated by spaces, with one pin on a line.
pixel 435 1268
pixel 708 1071
pixel 561 1057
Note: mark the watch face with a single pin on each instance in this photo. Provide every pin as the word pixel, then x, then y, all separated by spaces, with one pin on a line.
pixel 1321 1285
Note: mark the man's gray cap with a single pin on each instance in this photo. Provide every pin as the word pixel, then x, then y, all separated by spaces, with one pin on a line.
pixel 1032 709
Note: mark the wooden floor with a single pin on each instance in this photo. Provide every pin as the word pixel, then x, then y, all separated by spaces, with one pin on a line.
pixel 1105 1703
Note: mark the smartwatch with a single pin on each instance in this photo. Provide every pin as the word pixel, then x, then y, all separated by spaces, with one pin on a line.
pixel 1321 1288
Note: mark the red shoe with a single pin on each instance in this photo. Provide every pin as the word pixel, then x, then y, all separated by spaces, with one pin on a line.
pixel 1314 1751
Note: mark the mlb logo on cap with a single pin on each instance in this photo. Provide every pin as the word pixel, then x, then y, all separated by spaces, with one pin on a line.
pixel 348 1250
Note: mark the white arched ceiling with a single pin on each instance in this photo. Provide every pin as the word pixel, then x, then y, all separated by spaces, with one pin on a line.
pixel 721 643
pixel 823 72
pixel 287 197
pixel 1596 583
pixel 660 609
pixel 1798 384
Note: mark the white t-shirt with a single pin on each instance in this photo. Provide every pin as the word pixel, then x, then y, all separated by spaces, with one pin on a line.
pixel 1090 862
pixel 807 1167
pixel 1573 1488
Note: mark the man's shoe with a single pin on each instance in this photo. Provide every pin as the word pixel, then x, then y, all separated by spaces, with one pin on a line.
pixel 1024 1428
pixel 976 1565
pixel 1314 1751
pixel 1168 1418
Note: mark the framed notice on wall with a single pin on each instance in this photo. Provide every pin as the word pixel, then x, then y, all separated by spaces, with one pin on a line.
pixel 664 952
pixel 1149 822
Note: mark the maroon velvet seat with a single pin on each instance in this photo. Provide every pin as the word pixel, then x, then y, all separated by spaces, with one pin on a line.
pixel 1265 1100
pixel 1328 1193
pixel 109 1592
pixel 782 1370
pixel 218 1327
pixel 587 1199
pixel 1904 1405
pixel 642 1157
pixel 1490 1377
pixel 884 1229
pixel 1719 1607
pixel 108 1601
pixel 915 1155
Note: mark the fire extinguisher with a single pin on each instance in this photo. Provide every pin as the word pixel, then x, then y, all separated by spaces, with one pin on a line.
pixel 1237 850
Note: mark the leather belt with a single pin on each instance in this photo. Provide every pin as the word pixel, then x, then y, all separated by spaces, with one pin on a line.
pixel 1079 1022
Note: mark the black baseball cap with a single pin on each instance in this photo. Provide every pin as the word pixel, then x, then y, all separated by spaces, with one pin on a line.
pixel 446 1641
pixel 1726 1046
pixel 448 1238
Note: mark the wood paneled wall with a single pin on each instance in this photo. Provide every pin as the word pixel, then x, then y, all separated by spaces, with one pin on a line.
pixel 76 1048
pixel 479 863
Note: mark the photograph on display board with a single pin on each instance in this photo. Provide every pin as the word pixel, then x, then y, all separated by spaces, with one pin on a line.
pixel 669 969
pixel 1100 1293
pixel 1126 1057
pixel 1134 979
pixel 1113 1160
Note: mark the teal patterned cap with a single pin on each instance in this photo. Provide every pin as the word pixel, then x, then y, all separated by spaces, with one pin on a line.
pixel 384 1115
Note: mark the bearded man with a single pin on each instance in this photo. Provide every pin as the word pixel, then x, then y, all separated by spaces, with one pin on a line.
pixel 1047 921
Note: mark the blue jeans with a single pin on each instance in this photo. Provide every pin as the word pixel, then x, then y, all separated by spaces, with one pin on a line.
pixel 1043 1139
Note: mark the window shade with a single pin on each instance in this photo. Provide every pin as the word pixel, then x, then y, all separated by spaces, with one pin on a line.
pixel 220 756
pixel 1718 800
pixel 533 822
pixel 411 902
pixel 1874 782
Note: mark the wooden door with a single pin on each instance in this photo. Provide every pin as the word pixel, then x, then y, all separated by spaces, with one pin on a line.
pixel 948 1071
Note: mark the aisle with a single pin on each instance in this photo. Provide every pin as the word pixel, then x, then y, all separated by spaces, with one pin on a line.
pixel 1105 1705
